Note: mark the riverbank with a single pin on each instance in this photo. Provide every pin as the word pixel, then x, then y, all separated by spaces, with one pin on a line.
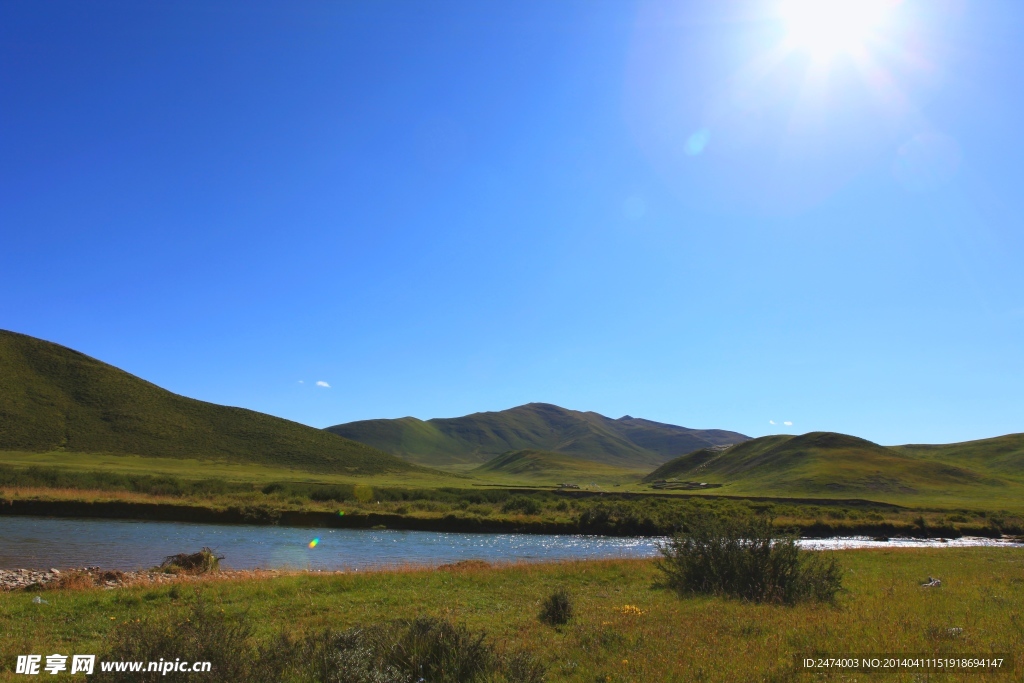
pixel 81 578
pixel 626 625
pixel 508 511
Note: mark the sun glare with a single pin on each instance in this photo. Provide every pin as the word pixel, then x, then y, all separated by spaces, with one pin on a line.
pixel 825 27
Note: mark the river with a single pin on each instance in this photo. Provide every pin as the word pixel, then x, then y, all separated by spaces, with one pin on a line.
pixel 43 542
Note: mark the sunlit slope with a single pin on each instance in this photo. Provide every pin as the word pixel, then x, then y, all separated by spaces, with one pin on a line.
pixel 837 465
pixel 1002 456
pixel 549 467
pixel 626 442
pixel 55 399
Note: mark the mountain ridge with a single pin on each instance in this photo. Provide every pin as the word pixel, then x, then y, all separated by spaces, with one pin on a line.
pixel 828 462
pixel 53 398
pixel 476 438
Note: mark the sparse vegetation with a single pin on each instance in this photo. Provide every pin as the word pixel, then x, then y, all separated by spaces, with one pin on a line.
pixel 202 562
pixel 748 559
pixel 557 608
pixel 403 651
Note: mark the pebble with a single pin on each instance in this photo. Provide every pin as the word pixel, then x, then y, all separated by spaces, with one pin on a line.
pixel 20 579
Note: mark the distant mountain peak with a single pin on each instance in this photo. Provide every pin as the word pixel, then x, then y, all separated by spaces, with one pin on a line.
pixel 626 442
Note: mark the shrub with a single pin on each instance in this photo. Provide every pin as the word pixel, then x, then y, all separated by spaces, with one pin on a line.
pixel 425 649
pixel 195 563
pixel 749 559
pixel 557 608
pixel 526 506
pixel 331 657
pixel 437 650
pixel 198 633
pixel 338 493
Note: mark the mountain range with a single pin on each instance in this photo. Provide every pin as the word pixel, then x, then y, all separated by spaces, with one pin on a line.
pixel 56 400
pixel 627 442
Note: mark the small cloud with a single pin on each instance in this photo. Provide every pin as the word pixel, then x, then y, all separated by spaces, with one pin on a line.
pixel 788 423
pixel 771 422
pixel 302 381
pixel 321 383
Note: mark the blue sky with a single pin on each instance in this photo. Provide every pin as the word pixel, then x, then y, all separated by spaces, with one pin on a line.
pixel 683 211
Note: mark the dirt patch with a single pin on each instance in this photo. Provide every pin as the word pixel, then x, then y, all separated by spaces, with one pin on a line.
pixel 465 565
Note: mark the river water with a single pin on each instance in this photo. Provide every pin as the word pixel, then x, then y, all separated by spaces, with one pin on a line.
pixel 43 542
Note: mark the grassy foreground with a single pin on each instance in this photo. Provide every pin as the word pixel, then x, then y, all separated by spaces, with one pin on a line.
pixel 626 625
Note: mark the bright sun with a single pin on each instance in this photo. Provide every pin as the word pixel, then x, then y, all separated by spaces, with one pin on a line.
pixel 826 27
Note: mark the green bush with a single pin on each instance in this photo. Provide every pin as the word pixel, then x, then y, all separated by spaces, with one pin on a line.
pixel 526 506
pixel 198 633
pixel 425 649
pixel 437 650
pixel 557 608
pixel 749 559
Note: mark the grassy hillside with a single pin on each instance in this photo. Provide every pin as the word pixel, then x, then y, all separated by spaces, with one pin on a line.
pixel 1002 456
pixel 55 399
pixel 627 442
pixel 549 467
pixel 828 464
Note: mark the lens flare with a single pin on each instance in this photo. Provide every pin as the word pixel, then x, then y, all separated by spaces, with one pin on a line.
pixel 696 143
pixel 825 27
pixel 314 543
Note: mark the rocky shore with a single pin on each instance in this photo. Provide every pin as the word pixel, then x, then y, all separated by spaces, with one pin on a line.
pixel 95 577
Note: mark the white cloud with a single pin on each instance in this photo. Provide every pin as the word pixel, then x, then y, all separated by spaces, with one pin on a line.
pixel 302 381
pixel 321 383
pixel 788 423
pixel 771 422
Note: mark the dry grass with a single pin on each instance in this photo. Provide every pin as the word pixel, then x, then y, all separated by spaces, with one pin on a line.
pixel 91 495
pixel 626 626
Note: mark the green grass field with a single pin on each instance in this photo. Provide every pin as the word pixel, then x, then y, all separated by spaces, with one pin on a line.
pixel 627 626
pixel 545 467
pixel 172 489
pixel 191 468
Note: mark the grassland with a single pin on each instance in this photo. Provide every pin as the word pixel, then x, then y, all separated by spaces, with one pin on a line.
pixel 626 627
pixel 228 471
pixel 545 467
pixel 55 399
pixel 445 503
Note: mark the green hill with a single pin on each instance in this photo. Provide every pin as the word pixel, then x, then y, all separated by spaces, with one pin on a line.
pixel 829 464
pixel 551 467
pixel 55 399
pixel 627 442
pixel 1002 456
